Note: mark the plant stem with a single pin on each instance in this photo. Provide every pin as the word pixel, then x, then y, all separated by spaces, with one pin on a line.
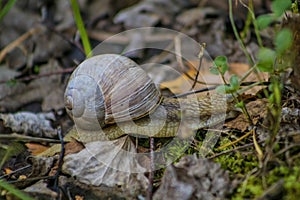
pixel 256 30
pixel 81 28
pixel 6 8
pixel 250 60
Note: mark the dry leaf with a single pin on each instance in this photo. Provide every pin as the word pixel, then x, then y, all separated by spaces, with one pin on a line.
pixel 257 110
pixel 148 13
pixel 111 163
pixel 73 147
pixel 7 170
pixel 41 166
pixel 14 96
pixel 36 149
pixel 178 85
pixel 41 189
pixel 30 123
pixel 193 178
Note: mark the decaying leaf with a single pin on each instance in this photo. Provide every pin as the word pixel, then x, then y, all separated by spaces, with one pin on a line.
pixel 290 115
pixel 149 13
pixel 41 191
pixel 14 96
pixel 41 166
pixel 193 178
pixel 36 149
pixel 110 163
pixel 257 110
pixel 196 16
pixel 30 123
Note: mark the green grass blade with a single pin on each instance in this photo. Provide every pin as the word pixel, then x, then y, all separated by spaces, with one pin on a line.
pixel 6 8
pixel 14 191
pixel 81 28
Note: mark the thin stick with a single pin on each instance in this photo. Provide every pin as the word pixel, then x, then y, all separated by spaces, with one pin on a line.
pixel 25 138
pixel 32 77
pixel 236 141
pixel 17 42
pixel 200 56
pixel 250 60
pixel 60 161
pixel 151 173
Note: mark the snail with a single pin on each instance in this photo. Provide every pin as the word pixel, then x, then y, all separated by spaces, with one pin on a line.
pixel 109 96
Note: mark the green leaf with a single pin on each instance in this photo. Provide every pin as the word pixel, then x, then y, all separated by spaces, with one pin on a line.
pixel 225 89
pixel 279 6
pixel 234 82
pixel 36 69
pixel 12 82
pixel 271 98
pixel 283 40
pixel 240 104
pixel 264 67
pixel 266 59
pixel 220 65
pixel 220 89
pixel 263 21
pixel 277 93
pixel 214 70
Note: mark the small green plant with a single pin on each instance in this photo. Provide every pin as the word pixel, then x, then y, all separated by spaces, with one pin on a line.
pixel 269 60
pixel 273 61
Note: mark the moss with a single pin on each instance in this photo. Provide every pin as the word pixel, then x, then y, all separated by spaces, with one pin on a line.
pixel 253 187
pixel 237 162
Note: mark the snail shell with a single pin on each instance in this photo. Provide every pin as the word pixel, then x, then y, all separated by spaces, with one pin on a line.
pixel 109 88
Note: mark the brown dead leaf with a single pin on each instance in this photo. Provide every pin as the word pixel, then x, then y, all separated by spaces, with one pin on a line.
pixel 185 81
pixel 238 68
pixel 257 110
pixel 22 177
pixel 77 197
pixel 36 149
pixel 7 170
pixel 177 86
pixel 73 147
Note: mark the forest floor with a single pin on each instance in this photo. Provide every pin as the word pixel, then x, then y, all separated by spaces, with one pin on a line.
pixel 253 155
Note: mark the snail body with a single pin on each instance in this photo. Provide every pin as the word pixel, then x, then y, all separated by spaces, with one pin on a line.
pixel 109 95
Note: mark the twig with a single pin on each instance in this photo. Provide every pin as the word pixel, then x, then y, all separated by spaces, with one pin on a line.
pixel 25 138
pixel 250 60
pixel 17 42
pixel 236 141
pixel 151 173
pixel 232 150
pixel 60 161
pixel 200 56
pixel 123 40
pixel 250 84
pixel 31 77
pixel 15 171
